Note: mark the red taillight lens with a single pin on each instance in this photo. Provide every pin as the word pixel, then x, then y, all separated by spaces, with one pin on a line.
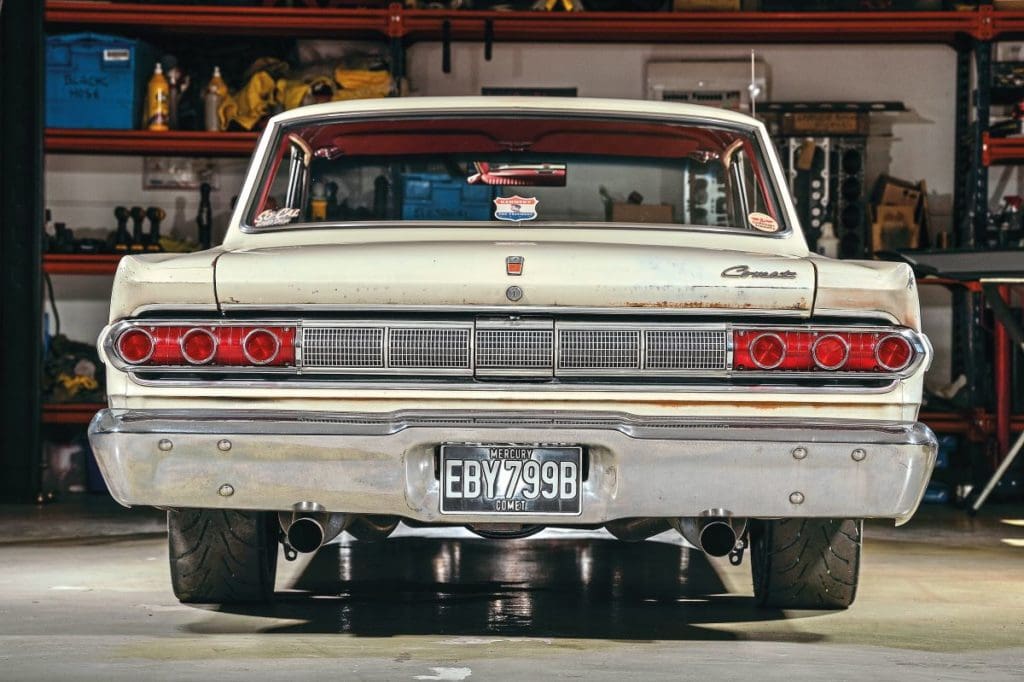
pixel 260 346
pixel 810 350
pixel 213 345
pixel 767 351
pixel 830 351
pixel 198 346
pixel 135 346
pixel 893 353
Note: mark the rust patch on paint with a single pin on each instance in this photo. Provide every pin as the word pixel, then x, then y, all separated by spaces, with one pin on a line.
pixel 754 405
pixel 801 304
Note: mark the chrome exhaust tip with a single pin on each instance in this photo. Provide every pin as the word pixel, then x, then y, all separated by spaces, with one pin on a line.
pixel 305 534
pixel 715 531
pixel 717 538
pixel 309 527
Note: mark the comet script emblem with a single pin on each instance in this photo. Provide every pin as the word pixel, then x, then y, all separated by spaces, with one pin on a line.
pixel 744 272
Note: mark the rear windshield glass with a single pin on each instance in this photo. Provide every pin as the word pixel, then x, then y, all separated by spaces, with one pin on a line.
pixel 533 170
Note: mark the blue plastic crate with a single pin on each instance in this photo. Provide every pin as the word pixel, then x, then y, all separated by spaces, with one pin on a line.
pixel 437 196
pixel 96 81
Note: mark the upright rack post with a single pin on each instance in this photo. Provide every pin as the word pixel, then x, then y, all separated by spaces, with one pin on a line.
pixel 982 108
pixel 963 180
pixel 21 219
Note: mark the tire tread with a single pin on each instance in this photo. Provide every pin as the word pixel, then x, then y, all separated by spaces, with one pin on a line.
pixel 806 563
pixel 222 556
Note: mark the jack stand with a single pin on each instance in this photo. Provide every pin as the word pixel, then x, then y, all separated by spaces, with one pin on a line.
pixel 992 482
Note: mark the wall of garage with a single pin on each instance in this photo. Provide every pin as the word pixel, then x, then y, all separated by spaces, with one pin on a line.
pixel 918 144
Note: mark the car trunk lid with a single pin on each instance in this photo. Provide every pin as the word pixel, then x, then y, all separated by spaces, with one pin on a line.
pixel 478 273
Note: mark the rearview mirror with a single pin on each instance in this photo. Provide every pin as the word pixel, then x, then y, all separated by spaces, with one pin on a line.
pixel 518 174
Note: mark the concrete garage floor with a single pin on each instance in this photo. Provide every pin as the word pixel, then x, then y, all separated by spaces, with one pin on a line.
pixel 84 594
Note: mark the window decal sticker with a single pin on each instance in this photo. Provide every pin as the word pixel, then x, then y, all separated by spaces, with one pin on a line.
pixel 515 208
pixel 763 222
pixel 279 216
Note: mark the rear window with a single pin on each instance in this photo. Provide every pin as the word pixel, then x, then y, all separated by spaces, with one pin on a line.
pixel 522 170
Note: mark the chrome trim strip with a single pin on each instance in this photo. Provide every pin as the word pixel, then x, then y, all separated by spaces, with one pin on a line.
pixel 730 347
pixel 538 387
pixel 185 308
pixel 387 423
pixel 512 309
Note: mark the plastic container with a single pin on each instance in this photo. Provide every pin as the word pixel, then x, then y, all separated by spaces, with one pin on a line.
pixel 437 196
pixel 96 81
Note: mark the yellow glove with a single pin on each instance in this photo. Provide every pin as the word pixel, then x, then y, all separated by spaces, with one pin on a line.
pixel 247 106
pixel 74 384
pixel 361 84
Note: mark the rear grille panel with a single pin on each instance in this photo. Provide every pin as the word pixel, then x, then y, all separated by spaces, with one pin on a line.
pixel 598 349
pixel 428 348
pixel 514 349
pixel 533 348
pixel 685 350
pixel 343 347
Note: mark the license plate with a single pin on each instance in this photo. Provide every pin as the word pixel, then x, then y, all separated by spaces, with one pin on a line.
pixel 510 479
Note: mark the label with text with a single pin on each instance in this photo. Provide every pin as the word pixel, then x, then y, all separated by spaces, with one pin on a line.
pixel 511 479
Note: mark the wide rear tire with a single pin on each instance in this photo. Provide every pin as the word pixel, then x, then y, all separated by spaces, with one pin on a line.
pixel 806 563
pixel 222 556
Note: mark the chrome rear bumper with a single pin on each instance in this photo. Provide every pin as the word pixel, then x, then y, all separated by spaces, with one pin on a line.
pixel 638 467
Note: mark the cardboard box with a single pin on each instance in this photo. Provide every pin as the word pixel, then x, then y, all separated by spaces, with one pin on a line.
pixel 642 213
pixel 894 227
pixel 851 123
pixel 892 191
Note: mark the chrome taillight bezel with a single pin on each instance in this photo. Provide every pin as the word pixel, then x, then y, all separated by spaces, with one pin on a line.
pixel 886 366
pixel 846 354
pixel 198 330
pixel 117 346
pixel 782 358
pixel 248 355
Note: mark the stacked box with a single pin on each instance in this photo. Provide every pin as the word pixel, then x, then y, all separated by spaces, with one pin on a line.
pixel 438 196
pixel 96 81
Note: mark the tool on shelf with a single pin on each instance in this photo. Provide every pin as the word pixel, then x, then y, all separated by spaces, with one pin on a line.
pixel 155 215
pixel 204 219
pixel 138 238
pixel 121 239
pixel 63 240
pixel 1006 228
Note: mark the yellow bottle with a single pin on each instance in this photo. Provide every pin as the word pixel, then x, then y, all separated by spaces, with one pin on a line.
pixel 158 97
pixel 217 83
pixel 214 95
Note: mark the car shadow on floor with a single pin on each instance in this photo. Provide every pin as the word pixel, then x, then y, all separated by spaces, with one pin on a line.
pixel 579 587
